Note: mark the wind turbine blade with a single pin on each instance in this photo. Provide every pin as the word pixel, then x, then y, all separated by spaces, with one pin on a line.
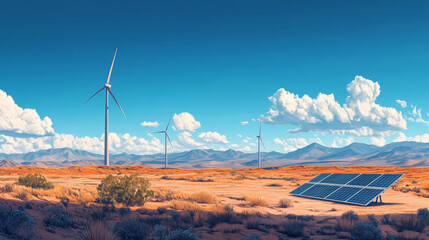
pixel 95 94
pixel 111 67
pixel 168 124
pixel 262 142
pixel 168 139
pixel 111 93
pixel 260 126
pixel 159 132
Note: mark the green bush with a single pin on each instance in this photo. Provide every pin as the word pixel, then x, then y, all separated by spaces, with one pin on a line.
pixel 35 181
pixel 129 190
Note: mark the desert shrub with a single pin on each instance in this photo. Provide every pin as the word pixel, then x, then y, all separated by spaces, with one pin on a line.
pixel 28 206
pixel 350 215
pixel 252 236
pixel 254 201
pixel 159 232
pixel 15 224
pixel 285 203
pixel 386 219
pixel 161 210
pixel 372 220
pixel 409 222
pixel 227 228
pixel 203 197
pixel 293 228
pixel 35 181
pixel 327 230
pixel 252 222
pixel 57 217
pixel 366 231
pixel 65 201
pixel 423 214
pixel 181 234
pixel 7 188
pixel 175 215
pixel 129 190
pixel 347 221
pixel 124 211
pixel 98 214
pixel 131 230
pixel 23 195
pixel 97 231
pixel 305 218
pixel 199 218
pixel 397 237
pixel 223 214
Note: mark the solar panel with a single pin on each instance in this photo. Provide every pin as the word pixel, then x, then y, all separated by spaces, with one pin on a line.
pixel 351 188
pixel 319 191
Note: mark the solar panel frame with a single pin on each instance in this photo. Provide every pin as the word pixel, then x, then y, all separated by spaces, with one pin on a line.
pixel 330 196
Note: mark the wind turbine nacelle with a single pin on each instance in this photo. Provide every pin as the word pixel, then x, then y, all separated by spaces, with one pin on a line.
pixel 107 85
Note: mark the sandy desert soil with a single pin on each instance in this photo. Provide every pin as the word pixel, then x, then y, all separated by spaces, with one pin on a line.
pixel 228 186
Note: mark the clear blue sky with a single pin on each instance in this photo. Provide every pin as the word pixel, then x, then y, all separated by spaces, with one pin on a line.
pixel 217 60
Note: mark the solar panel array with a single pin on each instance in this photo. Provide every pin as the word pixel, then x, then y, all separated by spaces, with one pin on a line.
pixel 351 188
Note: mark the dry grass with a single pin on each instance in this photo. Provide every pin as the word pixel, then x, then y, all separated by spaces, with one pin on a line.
pixel 23 195
pixel 285 203
pixel 97 231
pixel 409 222
pixel 254 201
pixel 203 197
pixel 186 206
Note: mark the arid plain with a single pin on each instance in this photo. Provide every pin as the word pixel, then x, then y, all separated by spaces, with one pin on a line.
pixel 217 203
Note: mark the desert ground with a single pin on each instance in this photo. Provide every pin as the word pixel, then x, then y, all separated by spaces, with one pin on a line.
pixel 218 203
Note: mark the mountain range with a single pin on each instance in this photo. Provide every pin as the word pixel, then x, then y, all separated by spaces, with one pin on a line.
pixel 356 154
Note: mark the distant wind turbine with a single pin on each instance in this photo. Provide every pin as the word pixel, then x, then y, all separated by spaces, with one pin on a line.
pixel 259 142
pixel 107 87
pixel 165 144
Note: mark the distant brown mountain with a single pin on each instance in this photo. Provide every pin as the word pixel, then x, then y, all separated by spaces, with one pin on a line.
pixel 355 154
pixel 8 163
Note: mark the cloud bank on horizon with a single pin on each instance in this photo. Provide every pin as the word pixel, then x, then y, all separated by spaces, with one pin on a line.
pixel 23 130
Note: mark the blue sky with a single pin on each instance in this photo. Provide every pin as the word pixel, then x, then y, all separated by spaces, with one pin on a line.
pixel 217 60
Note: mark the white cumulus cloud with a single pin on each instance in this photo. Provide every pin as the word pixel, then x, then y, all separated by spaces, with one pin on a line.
pixel 378 141
pixel 185 122
pixel 402 103
pixel 185 139
pixel 244 123
pixel 359 116
pixel 150 124
pixel 213 137
pixel 18 122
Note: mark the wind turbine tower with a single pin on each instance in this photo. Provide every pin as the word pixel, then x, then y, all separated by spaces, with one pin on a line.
pixel 108 89
pixel 165 143
pixel 259 144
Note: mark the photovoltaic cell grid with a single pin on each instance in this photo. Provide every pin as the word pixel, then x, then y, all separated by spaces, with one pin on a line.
pixel 352 188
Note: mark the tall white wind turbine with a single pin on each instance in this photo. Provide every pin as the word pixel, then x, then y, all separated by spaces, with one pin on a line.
pixel 259 142
pixel 165 143
pixel 108 89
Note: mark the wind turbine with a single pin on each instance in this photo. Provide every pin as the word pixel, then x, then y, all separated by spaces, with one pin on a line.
pixel 107 87
pixel 259 142
pixel 165 144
